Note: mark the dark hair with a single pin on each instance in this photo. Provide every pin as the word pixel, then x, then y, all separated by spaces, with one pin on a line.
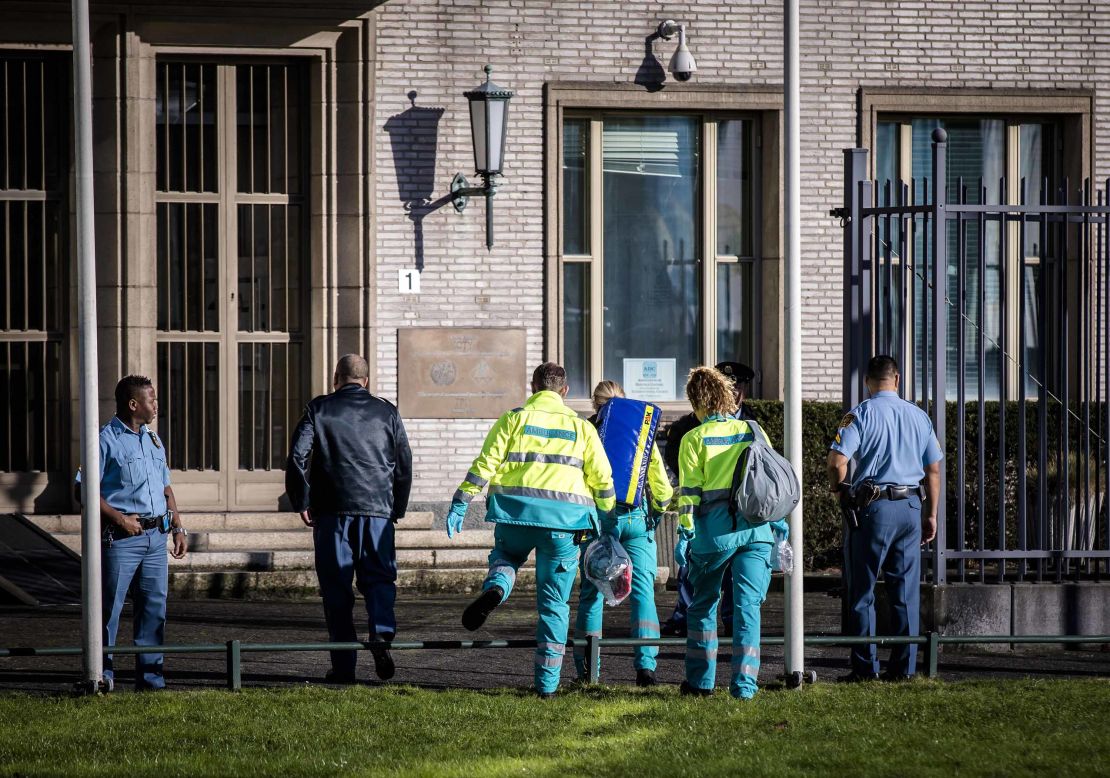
pixel 351 367
pixel 882 368
pixel 549 376
pixel 128 389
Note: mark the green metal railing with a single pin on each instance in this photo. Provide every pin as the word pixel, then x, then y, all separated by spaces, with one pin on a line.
pixel 234 649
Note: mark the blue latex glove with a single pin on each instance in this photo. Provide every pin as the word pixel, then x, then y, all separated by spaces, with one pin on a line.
pixel 455 518
pixel 780 529
pixel 681 549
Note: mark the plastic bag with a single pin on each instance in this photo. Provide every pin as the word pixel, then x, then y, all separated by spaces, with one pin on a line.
pixel 609 567
pixel 782 555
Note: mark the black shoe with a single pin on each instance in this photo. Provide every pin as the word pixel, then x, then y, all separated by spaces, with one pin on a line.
pixel 890 677
pixel 383 663
pixel 854 677
pixel 478 611
pixel 341 678
pixel 690 691
pixel 645 678
pixel 546 695
pixel 673 629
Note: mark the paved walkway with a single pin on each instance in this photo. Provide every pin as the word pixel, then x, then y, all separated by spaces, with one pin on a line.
pixel 437 618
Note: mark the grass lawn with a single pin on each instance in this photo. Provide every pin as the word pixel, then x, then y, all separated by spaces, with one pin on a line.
pixel 1005 728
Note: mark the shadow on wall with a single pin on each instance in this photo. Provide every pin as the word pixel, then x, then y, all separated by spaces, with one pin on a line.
pixel 26 492
pixel 650 74
pixel 413 135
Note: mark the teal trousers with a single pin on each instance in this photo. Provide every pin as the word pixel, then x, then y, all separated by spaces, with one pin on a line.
pixel 556 566
pixel 751 576
pixel 631 530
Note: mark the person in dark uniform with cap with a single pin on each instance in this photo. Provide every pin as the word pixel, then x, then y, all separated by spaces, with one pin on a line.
pixel 741 377
pixel 893 443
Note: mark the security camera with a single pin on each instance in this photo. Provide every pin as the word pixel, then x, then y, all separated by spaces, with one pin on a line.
pixel 682 65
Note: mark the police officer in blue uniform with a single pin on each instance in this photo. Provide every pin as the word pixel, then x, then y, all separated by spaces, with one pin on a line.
pixel 138 510
pixel 895 449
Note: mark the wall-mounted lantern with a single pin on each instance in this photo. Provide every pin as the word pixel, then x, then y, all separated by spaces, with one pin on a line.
pixel 489 111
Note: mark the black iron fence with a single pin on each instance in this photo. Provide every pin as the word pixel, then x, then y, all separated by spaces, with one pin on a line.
pixel 993 297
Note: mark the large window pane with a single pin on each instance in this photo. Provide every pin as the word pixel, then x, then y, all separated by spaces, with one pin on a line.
pixel 734 188
pixel 30 286
pixel 270 378
pixel 30 406
pixel 576 195
pixel 1037 168
pixel 269 268
pixel 652 299
pixel 576 327
pixel 268 128
pixel 185 127
pixel 188 264
pixel 188 404
pixel 735 313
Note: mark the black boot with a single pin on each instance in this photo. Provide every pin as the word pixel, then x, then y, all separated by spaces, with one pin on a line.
pixel 478 611
pixel 692 691
pixel 645 678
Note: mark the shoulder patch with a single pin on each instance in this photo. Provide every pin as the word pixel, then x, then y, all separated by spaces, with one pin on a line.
pixel 846 421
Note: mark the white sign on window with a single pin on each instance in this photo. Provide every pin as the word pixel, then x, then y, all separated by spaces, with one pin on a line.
pixel 649 379
pixel 408 280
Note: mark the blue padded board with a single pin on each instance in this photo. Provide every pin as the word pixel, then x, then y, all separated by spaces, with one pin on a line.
pixel 627 429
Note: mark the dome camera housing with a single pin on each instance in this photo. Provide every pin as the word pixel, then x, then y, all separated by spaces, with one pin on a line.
pixel 682 65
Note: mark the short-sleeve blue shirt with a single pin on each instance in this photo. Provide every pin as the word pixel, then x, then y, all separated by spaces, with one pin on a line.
pixel 133 469
pixel 892 440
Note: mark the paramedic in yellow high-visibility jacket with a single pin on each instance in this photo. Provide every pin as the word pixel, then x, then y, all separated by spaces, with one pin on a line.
pixel 549 479
pixel 710 539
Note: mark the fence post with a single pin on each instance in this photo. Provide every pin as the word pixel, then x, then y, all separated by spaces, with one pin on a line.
pixel 932 652
pixel 940 332
pixel 234 666
pixel 593 657
pixel 855 172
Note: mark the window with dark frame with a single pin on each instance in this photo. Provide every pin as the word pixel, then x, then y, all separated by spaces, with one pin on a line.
pixel 231 261
pixel 981 151
pixel 34 167
pixel 648 210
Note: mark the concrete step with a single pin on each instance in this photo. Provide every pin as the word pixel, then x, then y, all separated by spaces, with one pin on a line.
pixel 301 540
pixel 271 584
pixel 407 559
pixel 223 522
pixel 259 584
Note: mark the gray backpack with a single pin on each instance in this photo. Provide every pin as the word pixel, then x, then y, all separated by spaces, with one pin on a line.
pixel 764 485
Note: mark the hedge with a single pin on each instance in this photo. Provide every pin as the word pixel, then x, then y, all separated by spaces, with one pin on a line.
pixel 823 525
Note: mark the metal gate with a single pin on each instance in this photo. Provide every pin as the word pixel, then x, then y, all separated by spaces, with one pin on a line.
pixel 1016 381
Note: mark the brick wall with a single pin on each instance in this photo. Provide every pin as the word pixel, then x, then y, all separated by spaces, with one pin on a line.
pixel 436 50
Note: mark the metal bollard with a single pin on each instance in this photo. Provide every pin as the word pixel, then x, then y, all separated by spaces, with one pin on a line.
pixel 234 666
pixel 593 658
pixel 932 653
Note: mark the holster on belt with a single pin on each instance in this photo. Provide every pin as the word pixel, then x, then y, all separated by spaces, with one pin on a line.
pixel 848 506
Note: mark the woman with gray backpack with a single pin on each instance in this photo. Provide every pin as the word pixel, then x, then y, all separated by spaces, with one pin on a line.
pixel 733 496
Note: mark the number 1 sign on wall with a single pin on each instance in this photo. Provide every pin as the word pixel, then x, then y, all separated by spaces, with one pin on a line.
pixel 408 280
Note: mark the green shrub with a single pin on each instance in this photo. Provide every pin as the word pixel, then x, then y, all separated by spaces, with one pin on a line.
pixel 823 525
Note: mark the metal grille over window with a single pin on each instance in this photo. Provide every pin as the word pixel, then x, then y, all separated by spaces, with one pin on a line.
pixel 230 261
pixel 32 157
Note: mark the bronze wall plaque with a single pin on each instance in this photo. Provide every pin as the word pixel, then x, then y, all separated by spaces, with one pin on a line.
pixel 460 372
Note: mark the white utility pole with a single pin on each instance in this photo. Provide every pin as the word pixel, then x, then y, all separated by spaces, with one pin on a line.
pixel 91 617
pixel 792 407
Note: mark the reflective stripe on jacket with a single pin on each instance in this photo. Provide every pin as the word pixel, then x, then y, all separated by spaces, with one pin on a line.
pixel 660 485
pixel 706 463
pixel 544 466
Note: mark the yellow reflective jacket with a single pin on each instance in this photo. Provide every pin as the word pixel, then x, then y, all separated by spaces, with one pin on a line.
pixel 707 459
pixel 545 467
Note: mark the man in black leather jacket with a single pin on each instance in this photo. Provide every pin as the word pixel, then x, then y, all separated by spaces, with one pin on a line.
pixel 352 494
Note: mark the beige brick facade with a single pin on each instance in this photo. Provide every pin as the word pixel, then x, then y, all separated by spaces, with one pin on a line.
pixel 390 129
